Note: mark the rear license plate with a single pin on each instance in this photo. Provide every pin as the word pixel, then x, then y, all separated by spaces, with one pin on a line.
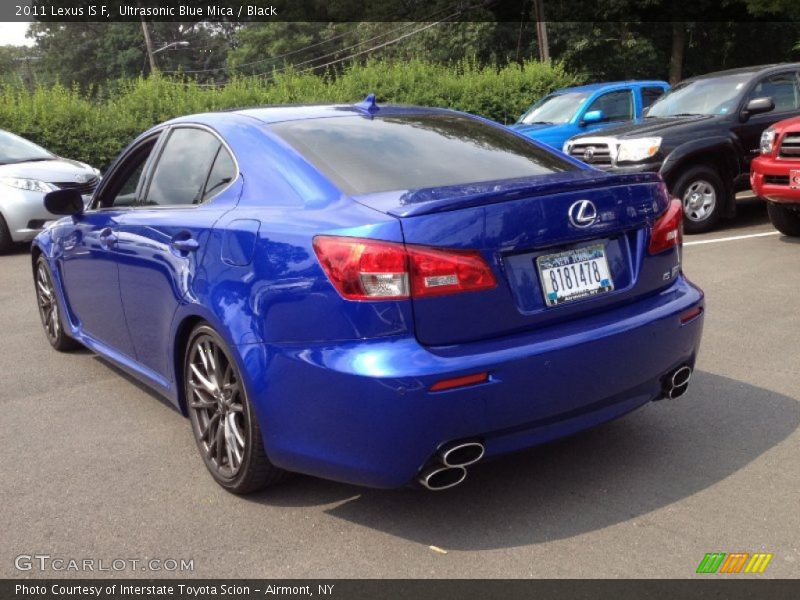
pixel 574 274
pixel 794 178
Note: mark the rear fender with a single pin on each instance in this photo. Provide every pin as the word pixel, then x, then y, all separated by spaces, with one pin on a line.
pixel 187 316
pixel 718 151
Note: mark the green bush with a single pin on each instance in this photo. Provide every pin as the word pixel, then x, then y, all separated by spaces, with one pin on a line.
pixel 94 125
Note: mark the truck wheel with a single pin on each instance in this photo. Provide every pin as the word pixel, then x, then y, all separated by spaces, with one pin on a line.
pixel 702 193
pixel 6 243
pixel 785 218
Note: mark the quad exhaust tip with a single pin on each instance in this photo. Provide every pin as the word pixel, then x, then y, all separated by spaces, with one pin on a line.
pixel 677 384
pixel 462 455
pixel 447 467
pixel 442 478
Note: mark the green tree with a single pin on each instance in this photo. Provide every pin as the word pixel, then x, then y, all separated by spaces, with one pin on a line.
pixel 17 62
pixel 89 53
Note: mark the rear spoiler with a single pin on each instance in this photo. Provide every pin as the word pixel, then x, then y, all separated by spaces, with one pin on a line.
pixel 412 203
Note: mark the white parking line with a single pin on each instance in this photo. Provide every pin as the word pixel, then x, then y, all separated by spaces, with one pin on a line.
pixel 732 238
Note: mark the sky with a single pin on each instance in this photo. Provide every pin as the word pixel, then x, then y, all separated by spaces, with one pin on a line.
pixel 13 34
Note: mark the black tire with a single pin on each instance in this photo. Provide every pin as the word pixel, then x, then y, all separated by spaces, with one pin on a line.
pixel 785 219
pixel 222 418
pixel 6 243
pixel 49 310
pixel 702 193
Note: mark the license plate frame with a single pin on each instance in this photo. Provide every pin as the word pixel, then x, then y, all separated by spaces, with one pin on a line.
pixel 575 259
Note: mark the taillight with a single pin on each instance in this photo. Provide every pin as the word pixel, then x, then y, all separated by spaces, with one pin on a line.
pixel 667 231
pixel 363 269
pixel 438 272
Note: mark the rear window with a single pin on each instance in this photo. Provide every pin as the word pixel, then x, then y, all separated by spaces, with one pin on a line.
pixel 364 156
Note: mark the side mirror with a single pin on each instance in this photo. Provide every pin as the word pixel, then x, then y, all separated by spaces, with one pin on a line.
pixel 593 116
pixel 757 106
pixel 64 202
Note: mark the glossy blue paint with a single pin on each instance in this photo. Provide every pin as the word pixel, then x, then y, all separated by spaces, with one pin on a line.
pixel 90 278
pixel 342 387
pixel 554 135
pixel 369 419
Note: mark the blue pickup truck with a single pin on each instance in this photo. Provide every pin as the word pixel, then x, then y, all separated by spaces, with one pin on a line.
pixel 575 110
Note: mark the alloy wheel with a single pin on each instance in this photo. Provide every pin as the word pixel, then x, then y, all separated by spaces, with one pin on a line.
pixel 217 406
pixel 48 303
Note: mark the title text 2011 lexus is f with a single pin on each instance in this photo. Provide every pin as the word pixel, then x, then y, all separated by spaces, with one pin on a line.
pixel 375 295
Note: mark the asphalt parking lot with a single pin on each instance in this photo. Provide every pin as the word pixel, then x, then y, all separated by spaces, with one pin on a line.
pixel 97 467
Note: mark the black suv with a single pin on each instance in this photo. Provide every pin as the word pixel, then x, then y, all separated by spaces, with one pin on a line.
pixel 701 137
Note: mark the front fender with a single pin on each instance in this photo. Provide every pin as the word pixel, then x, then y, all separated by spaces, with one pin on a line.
pixel 46 243
pixel 717 149
pixel 42 244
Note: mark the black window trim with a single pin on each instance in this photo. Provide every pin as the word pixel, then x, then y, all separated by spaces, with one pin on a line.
pixel 167 132
pixel 758 78
pixel 663 90
pixel 156 138
pixel 631 98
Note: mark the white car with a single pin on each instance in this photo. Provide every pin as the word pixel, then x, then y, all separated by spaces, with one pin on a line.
pixel 27 173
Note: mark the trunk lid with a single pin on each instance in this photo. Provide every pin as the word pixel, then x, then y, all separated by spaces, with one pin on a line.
pixel 515 222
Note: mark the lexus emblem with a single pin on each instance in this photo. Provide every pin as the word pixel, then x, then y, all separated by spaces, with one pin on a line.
pixel 588 154
pixel 582 213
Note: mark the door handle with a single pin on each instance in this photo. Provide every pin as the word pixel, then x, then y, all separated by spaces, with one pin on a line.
pixel 108 238
pixel 185 245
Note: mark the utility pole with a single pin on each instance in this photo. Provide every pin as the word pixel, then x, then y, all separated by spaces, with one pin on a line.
pixel 29 78
pixel 541 30
pixel 149 45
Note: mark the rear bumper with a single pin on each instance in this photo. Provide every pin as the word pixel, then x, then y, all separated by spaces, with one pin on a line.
pixel 362 412
pixel 764 167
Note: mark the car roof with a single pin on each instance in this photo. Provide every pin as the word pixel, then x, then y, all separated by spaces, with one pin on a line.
pixel 752 70
pixel 593 87
pixel 298 112
pixel 277 114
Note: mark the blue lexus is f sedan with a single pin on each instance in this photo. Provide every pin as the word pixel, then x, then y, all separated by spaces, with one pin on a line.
pixel 372 294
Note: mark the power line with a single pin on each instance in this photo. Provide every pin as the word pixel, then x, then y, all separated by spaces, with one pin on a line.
pixel 378 47
pixel 333 62
pixel 362 52
pixel 335 52
pixel 315 45
pixel 356 54
pixel 263 60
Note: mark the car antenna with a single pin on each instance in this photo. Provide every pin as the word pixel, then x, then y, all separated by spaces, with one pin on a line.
pixel 368 105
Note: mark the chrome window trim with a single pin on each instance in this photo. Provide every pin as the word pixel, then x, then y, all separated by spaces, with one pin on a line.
pixel 168 132
pixel 163 137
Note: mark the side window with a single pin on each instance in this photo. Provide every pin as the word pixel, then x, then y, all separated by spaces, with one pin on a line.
pixel 121 190
pixel 222 173
pixel 127 195
pixel 183 168
pixel 650 95
pixel 782 88
pixel 616 106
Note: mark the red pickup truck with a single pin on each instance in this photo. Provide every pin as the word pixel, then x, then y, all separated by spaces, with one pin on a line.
pixel 775 175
